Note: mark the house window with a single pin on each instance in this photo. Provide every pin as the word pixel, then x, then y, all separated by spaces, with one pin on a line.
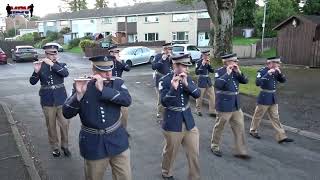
pixel 50 23
pixel 132 19
pixel 180 36
pixel 151 19
pixel 107 20
pixel 203 15
pixel 106 34
pixel 121 19
pixel 64 23
pixel 151 37
pixel 88 34
pixel 206 36
pixel 180 17
pixel 74 35
pixel 132 38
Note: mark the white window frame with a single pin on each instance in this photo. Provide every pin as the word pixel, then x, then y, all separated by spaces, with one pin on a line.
pixel 64 23
pixel 203 15
pixel 50 23
pixel 149 19
pixel 132 19
pixel 180 18
pixel 156 37
pixel 134 38
pixel 175 36
pixel 121 19
pixel 107 20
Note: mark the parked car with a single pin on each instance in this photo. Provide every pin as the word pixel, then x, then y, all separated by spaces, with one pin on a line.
pixel 3 57
pixel 137 55
pixel 195 53
pixel 60 48
pixel 24 53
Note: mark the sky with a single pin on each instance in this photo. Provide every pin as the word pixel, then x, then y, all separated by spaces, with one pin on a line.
pixel 43 7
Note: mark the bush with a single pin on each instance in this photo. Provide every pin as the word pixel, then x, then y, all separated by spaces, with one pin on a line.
pixel 86 44
pixel 74 43
pixel 44 41
pixel 65 30
pixel 51 36
pixel 88 37
pixel 27 38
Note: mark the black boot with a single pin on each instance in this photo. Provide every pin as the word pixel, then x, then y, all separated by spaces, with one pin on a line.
pixel 66 152
pixel 56 153
pixel 285 140
pixel 255 135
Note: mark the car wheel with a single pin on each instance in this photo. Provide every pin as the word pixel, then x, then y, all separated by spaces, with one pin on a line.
pixel 129 62
pixel 151 59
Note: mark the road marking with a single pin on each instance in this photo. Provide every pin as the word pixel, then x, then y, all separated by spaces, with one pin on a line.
pixel 9 157
pixel 10 64
pixel 5 134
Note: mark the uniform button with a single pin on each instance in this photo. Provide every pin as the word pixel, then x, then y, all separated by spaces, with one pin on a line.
pixel 101 107
pixel 103 120
pixel 102 116
pixel 102 112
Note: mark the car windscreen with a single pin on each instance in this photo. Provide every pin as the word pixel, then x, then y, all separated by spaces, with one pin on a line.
pixel 129 51
pixel 177 48
pixel 26 49
pixel 192 48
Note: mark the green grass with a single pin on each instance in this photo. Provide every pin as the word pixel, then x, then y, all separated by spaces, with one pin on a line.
pixel 76 50
pixel 268 53
pixel 244 41
pixel 248 89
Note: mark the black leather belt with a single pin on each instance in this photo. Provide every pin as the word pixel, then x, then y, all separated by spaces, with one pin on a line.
pixel 57 86
pixel 178 109
pixel 107 130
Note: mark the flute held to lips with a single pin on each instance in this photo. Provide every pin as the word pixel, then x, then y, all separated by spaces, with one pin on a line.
pixel 89 78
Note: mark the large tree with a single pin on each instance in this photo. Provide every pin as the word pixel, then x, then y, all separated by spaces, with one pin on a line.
pixel 277 11
pixel 311 7
pixel 76 5
pixel 101 4
pixel 244 13
pixel 221 14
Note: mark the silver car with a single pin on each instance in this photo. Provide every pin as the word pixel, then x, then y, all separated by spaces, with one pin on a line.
pixel 137 55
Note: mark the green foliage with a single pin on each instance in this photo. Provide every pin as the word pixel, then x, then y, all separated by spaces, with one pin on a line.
pixel 76 5
pixel 86 43
pixel 312 7
pixel 74 43
pixel 44 41
pixel 10 33
pixel 268 53
pixel 277 11
pixel 101 4
pixel 52 36
pixel 27 38
pixel 244 13
pixel 65 30
pixel 87 37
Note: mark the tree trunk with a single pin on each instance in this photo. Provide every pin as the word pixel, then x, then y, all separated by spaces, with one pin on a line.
pixel 221 13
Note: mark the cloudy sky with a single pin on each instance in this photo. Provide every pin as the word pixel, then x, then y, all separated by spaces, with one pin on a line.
pixel 43 7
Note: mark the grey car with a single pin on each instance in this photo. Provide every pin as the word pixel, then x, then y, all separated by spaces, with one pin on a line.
pixel 137 55
pixel 24 53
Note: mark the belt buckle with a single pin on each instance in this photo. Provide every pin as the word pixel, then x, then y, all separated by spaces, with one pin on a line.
pixel 53 87
pixel 101 131
pixel 183 109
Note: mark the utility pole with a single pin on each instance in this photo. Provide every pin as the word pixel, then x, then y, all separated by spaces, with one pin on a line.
pixel 263 24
